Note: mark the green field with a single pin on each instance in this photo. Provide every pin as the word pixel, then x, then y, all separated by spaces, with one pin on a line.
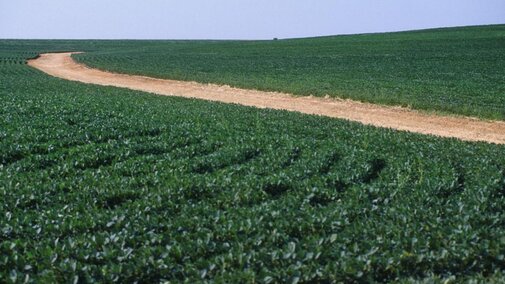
pixel 452 70
pixel 456 70
pixel 105 184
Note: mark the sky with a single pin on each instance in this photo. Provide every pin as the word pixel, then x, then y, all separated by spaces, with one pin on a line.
pixel 234 19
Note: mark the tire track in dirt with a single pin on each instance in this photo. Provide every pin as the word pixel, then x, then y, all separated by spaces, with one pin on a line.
pixel 465 128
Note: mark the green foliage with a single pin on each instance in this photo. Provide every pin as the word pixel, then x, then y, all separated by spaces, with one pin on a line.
pixel 453 70
pixel 457 70
pixel 101 184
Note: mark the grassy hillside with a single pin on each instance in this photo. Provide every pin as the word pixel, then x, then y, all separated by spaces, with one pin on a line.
pixel 456 70
pixel 104 184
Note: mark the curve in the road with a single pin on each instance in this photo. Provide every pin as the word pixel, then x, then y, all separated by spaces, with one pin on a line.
pixel 470 129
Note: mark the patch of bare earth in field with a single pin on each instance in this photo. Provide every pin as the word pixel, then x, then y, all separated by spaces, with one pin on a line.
pixel 470 129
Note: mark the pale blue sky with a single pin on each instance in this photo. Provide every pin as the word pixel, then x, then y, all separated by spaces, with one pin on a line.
pixel 234 19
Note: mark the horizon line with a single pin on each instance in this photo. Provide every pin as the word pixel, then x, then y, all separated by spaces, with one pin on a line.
pixel 269 39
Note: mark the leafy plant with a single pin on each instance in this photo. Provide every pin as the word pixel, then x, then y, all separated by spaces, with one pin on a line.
pixel 100 184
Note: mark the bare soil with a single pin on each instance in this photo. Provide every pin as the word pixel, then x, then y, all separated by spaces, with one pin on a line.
pixel 465 128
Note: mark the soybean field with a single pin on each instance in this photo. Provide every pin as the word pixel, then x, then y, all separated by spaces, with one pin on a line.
pixel 101 184
pixel 451 70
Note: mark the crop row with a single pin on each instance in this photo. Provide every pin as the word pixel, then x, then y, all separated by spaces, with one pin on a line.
pixel 457 70
pixel 104 184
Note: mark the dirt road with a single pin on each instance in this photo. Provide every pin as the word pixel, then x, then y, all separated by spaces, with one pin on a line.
pixel 63 66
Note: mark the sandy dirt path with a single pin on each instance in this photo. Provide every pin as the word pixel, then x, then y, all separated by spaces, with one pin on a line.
pixel 63 66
